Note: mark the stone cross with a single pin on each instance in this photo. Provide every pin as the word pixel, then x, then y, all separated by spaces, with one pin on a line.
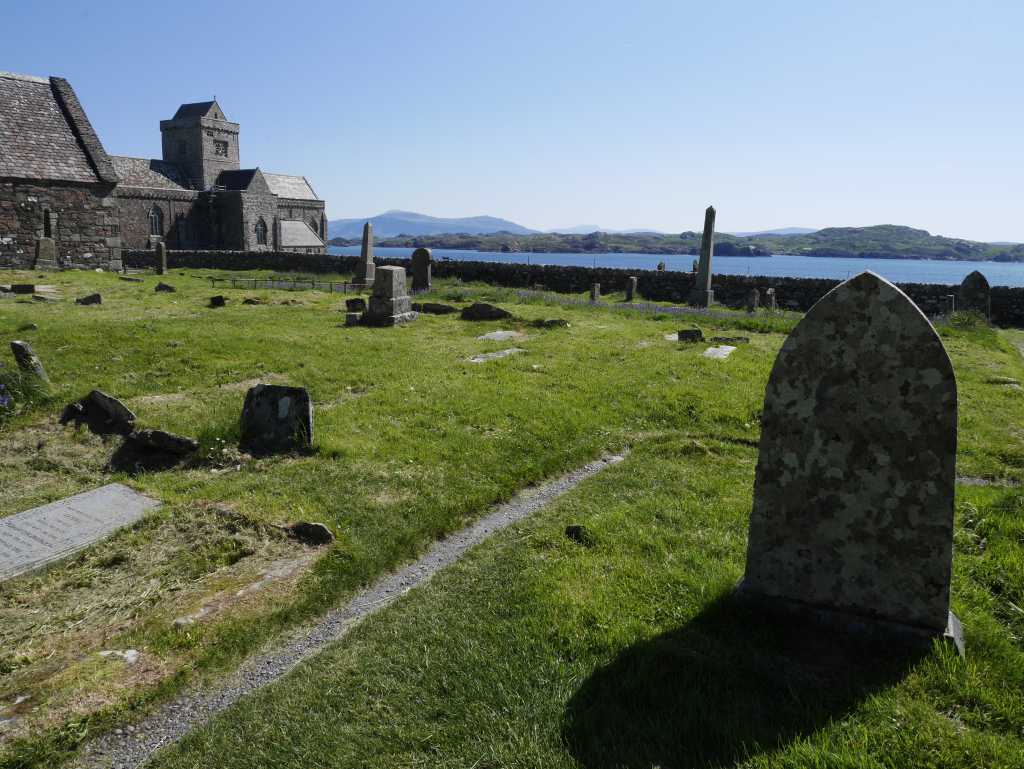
pixel 421 261
pixel 161 257
pixel 595 292
pixel 852 518
pixel 631 288
pixel 27 360
pixel 46 254
pixel 702 295
pixel 974 295
pixel 365 267
pixel 753 300
pixel 389 303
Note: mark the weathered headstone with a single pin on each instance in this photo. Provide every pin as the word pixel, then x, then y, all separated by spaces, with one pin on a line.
pixel 276 419
pixel 46 254
pixel 753 300
pixel 358 304
pixel 595 292
pixel 34 538
pixel 365 268
pixel 702 295
pixel 421 269
pixel 974 295
pixel 852 519
pixel 950 304
pixel 103 414
pixel 690 335
pixel 770 297
pixel 389 302
pixel 631 288
pixel 161 257
pixel 27 360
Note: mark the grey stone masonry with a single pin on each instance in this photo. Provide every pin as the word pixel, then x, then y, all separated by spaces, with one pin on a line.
pixel 27 360
pixel 40 536
pixel 853 493
pixel 161 257
pixel 421 269
pixel 389 303
pixel 46 254
pixel 631 288
pixel 365 268
pixel 974 295
pixel 702 295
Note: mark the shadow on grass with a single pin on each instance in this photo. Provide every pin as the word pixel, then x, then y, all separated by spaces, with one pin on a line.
pixel 731 683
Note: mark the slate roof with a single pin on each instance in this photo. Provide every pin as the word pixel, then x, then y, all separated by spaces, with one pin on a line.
pixel 295 232
pixel 38 138
pixel 144 172
pixel 195 109
pixel 295 187
pixel 236 180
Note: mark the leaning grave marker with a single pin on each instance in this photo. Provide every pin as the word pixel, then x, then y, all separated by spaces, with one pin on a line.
pixel 852 520
pixel 42 535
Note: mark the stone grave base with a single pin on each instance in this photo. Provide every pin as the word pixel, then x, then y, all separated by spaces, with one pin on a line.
pixel 870 628
pixel 388 320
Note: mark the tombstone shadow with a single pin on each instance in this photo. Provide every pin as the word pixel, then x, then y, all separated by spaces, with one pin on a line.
pixel 732 683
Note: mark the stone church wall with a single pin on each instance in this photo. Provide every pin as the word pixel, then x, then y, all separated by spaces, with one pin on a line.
pixel 134 205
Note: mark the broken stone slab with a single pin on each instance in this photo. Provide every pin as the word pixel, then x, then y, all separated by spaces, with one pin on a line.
pixel 276 419
pixel 484 311
pixel 688 335
pixel 23 288
pixel 27 360
pixel 719 353
pixel 434 308
pixel 90 299
pixel 311 534
pixel 502 335
pixel 218 301
pixel 129 279
pixel 734 340
pixel 483 358
pixel 42 535
pixel 550 323
pixel 357 304
pixel 852 519
pixel 148 450
pixel 103 414
pixel 164 288
pixel 43 298
pixel 254 300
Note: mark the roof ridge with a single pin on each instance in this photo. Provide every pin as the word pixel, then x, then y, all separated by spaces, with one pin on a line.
pixel 80 125
pixel 29 78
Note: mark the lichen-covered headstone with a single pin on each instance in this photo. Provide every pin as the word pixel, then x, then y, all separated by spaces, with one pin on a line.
pixel 276 419
pixel 27 360
pixel 46 254
pixel 389 302
pixel 853 493
pixel 595 292
pixel 630 288
pixel 771 299
pixel 421 269
pixel 973 295
pixel 365 271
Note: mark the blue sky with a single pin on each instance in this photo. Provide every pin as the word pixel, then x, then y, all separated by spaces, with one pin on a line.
pixel 555 114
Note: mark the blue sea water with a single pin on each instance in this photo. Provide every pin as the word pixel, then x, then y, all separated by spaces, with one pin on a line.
pixel 780 265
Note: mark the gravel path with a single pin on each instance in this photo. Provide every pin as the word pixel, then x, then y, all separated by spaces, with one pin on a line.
pixel 132 746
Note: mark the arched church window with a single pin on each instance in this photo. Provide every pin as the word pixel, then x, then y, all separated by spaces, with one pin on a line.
pixel 261 232
pixel 156 221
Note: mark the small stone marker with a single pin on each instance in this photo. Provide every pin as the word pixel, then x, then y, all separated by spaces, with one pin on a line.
pixel 389 303
pixel 753 300
pixel 27 360
pixel 595 292
pixel 46 254
pixel 631 288
pixel 218 301
pixel 276 419
pixel 161 257
pixel 690 335
pixel 36 537
pixel 365 273
pixel 974 295
pixel 164 288
pixel 421 269
pixel 702 295
pixel 355 305
pixel 852 519
pixel 90 299
pixel 719 353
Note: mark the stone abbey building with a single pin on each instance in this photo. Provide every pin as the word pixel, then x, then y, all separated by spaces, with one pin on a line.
pixel 57 181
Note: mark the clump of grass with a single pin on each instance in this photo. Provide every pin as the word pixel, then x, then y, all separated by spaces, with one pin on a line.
pixel 19 393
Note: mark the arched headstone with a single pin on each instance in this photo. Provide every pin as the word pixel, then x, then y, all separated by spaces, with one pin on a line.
pixel 974 294
pixel 853 494
pixel 421 261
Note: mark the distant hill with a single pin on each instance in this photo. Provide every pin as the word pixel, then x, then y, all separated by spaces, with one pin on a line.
pixel 393 223
pixel 586 229
pixel 782 231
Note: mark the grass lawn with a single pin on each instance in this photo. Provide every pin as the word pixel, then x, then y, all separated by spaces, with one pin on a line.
pixel 535 651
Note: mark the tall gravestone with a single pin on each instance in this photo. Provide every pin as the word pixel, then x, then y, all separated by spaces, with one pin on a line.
pixel 631 288
pixel 595 292
pixel 46 254
pixel 753 300
pixel 974 294
pixel 421 261
pixel 770 299
pixel 161 257
pixel 702 295
pixel 365 268
pixel 853 495
pixel 389 303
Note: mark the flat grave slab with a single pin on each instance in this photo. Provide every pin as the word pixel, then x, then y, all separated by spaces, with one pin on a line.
pixel 36 537
pixel 496 355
